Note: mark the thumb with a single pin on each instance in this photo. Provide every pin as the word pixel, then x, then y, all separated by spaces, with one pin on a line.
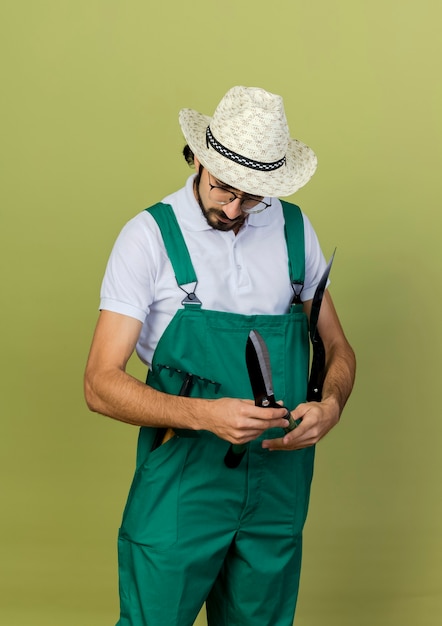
pixel 300 410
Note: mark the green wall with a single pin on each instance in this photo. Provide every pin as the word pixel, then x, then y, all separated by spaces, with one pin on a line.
pixel 90 95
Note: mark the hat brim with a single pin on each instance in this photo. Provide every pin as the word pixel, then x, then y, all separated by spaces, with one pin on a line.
pixel 300 165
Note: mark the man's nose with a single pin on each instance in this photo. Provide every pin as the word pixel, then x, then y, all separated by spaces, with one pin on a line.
pixel 233 209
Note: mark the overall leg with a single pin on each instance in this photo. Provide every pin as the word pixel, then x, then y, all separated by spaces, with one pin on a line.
pixel 165 588
pixel 258 584
pixel 180 519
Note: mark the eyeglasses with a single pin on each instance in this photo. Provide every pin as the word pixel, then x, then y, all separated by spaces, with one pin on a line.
pixel 223 196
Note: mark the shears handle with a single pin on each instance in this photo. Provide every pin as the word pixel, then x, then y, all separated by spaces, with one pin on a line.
pixel 234 455
pixel 271 402
pixel 292 423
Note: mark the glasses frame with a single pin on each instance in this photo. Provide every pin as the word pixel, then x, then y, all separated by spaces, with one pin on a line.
pixel 236 197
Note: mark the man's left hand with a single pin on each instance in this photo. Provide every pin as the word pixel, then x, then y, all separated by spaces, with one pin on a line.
pixel 318 418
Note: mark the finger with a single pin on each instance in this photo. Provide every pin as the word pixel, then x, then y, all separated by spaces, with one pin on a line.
pixel 282 444
pixel 296 438
pixel 259 426
pixel 256 427
pixel 273 444
pixel 301 410
pixel 270 413
pixel 246 436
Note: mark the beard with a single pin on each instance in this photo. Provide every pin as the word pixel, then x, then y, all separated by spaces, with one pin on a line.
pixel 216 218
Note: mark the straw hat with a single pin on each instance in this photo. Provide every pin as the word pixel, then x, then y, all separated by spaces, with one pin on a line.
pixel 247 145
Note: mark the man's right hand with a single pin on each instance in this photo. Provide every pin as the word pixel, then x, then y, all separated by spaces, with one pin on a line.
pixel 240 421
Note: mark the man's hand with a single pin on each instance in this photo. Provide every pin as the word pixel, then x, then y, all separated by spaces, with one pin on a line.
pixel 240 421
pixel 318 418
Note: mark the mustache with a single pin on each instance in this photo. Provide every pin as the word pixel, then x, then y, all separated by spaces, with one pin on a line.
pixel 220 213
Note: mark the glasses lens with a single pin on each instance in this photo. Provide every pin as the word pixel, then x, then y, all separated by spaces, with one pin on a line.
pixel 223 196
pixel 254 207
pixel 249 204
pixel 220 195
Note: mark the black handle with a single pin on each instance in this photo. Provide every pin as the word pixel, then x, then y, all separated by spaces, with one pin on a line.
pixel 234 455
pixel 317 372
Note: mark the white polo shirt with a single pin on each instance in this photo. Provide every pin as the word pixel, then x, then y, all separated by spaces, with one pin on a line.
pixel 246 273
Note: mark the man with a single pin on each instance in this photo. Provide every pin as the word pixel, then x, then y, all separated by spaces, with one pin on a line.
pixel 186 282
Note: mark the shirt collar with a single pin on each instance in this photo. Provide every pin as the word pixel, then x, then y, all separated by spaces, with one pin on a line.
pixel 191 217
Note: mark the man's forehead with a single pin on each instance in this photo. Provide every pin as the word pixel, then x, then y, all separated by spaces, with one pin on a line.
pixel 220 182
pixel 234 189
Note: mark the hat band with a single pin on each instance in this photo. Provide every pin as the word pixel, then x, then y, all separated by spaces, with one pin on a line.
pixel 237 158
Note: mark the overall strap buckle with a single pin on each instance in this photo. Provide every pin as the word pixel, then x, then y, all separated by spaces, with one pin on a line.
pixel 191 297
pixel 297 287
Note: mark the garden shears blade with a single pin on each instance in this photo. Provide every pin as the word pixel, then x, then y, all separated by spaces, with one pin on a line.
pixel 260 375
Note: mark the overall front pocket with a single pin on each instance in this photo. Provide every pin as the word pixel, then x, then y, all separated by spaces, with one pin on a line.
pixel 151 514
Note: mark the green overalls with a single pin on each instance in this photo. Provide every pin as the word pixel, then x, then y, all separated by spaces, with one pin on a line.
pixel 194 530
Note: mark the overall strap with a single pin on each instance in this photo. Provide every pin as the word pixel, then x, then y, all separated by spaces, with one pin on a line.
pixel 180 258
pixel 174 241
pixel 294 235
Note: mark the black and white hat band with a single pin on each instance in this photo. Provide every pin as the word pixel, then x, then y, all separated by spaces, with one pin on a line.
pixel 238 158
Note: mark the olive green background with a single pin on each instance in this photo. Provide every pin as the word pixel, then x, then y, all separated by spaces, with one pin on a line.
pixel 89 137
